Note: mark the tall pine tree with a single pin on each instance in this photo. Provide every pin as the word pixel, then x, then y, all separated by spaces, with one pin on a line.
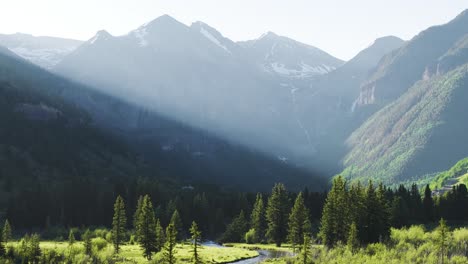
pixel 428 205
pixel 6 232
pixel 297 218
pixel 335 216
pixel 146 228
pixel 257 219
pixel 169 247
pixel 119 223
pixel 277 215
pixel 177 222
pixel 137 213
pixel 196 241
pixel 160 236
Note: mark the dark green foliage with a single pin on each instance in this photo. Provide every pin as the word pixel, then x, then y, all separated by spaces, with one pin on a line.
pixel 428 205
pixel 236 229
pixel 297 218
pixel 257 220
pixel 306 248
pixel 71 238
pixel 353 240
pixel 452 206
pixel 136 215
pixel 335 217
pixel 277 215
pixel 160 236
pixel 177 222
pixel 88 246
pixel 196 242
pixel 169 251
pixel 368 210
pixel 375 226
pixel 119 223
pixel 29 250
pixel 6 231
pixel 146 228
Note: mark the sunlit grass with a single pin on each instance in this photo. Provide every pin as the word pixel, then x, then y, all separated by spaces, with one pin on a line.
pixel 134 253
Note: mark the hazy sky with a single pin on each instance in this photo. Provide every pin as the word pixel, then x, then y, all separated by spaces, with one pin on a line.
pixel 341 28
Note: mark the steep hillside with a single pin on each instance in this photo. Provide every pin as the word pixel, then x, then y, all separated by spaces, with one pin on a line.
pixel 170 149
pixel 422 132
pixel 402 68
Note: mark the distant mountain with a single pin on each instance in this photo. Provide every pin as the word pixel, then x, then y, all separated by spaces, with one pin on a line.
pixel 325 106
pixel 106 130
pixel 288 58
pixel 195 75
pixel 422 129
pixel 43 51
pixel 398 71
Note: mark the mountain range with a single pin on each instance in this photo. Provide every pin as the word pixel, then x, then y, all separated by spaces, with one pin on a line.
pixel 176 93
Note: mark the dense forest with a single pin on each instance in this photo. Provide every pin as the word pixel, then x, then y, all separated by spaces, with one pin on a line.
pixel 157 219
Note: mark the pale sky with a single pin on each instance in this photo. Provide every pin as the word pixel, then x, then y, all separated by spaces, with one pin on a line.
pixel 341 28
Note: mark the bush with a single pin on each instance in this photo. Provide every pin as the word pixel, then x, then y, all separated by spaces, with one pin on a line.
pixel 109 237
pixel 99 243
pixel 250 236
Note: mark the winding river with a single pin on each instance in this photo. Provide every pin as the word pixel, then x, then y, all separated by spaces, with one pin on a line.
pixel 263 254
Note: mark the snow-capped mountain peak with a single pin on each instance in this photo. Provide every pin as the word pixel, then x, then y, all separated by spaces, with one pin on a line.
pixel 100 36
pixel 212 35
pixel 285 57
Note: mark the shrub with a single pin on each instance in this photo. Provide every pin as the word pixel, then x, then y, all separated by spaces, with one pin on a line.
pixel 250 236
pixel 99 243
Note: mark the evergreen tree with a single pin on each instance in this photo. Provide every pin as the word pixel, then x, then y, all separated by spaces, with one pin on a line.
pixel 160 236
pixel 376 223
pixel 428 205
pixel 146 228
pixel 236 230
pixel 353 241
pixel 357 209
pixel 306 245
pixel 87 243
pixel 169 247
pixel 416 208
pixel 6 232
pixel 177 221
pixel 257 219
pixel 335 216
pixel 277 215
pixel 384 219
pixel 71 238
pixel 137 213
pixel 196 241
pixel 442 240
pixel 297 218
pixel 34 249
pixel 119 223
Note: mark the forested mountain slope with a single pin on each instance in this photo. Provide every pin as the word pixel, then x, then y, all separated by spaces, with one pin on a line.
pixel 422 132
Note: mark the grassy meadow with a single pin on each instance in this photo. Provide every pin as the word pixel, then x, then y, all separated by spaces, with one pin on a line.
pixel 134 254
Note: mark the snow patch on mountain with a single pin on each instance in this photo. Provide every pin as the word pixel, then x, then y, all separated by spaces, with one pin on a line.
pixel 303 70
pixel 213 39
pixel 140 34
pixel 46 58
